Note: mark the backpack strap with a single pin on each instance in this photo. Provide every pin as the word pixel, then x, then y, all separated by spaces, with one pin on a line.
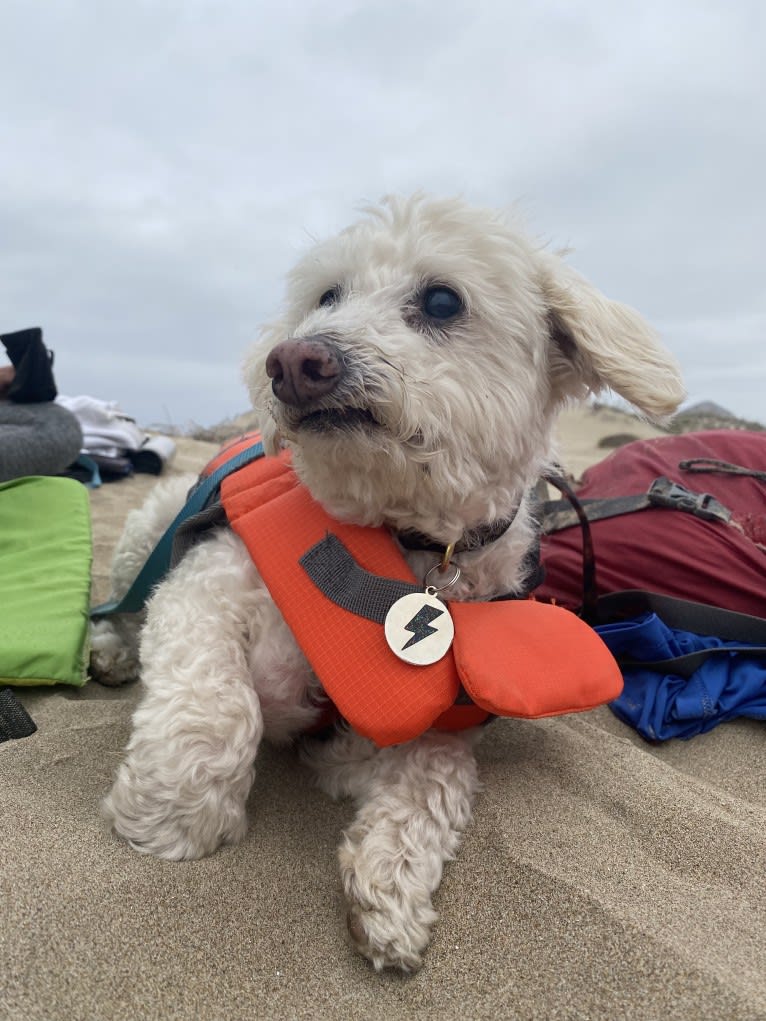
pixel 698 465
pixel 577 510
pixel 685 615
pixel 663 492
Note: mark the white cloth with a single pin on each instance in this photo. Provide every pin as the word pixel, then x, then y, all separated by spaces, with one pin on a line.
pixel 106 429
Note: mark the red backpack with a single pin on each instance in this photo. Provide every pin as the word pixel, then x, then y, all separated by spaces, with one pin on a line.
pixel 668 564
pixel 701 534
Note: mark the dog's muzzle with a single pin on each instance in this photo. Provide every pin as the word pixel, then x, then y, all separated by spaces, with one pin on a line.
pixel 303 372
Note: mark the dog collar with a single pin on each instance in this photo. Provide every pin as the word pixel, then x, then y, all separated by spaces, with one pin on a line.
pixel 472 538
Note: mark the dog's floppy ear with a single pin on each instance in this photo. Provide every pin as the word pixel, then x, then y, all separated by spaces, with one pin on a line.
pixel 602 344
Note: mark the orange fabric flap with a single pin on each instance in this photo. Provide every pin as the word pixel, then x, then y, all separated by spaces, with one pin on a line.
pixel 529 659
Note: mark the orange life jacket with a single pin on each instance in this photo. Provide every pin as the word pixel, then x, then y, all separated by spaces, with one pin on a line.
pixel 513 658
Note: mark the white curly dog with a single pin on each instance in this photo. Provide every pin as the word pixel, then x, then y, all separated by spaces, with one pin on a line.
pixel 416 376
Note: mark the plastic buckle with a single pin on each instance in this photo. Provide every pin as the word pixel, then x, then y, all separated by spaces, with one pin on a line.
pixel 665 493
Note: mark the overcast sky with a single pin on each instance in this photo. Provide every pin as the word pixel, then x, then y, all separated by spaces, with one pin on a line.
pixel 163 162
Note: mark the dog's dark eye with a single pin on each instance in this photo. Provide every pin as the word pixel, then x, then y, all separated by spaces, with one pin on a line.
pixel 441 303
pixel 330 297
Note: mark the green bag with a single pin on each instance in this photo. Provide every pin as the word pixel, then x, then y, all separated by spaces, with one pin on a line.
pixel 45 569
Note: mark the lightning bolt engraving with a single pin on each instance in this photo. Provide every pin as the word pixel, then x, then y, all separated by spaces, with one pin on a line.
pixel 420 625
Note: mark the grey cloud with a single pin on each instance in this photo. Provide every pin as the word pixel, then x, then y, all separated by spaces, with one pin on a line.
pixel 164 163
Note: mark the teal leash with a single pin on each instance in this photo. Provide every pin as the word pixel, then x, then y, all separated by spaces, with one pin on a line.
pixel 158 562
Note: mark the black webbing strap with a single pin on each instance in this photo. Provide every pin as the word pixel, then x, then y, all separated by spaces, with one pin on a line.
pixel 663 492
pixel 685 615
pixel 701 465
pixel 338 576
pixel 15 721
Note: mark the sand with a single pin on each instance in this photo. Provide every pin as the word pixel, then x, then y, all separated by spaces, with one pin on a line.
pixel 602 877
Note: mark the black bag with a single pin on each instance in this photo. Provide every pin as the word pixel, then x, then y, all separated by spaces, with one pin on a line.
pixel 33 381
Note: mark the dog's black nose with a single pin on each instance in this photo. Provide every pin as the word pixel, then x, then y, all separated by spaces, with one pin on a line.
pixel 303 371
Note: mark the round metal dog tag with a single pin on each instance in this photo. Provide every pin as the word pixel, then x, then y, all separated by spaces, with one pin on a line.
pixel 419 628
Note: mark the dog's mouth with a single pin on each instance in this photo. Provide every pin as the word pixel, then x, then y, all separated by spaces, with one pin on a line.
pixel 339 418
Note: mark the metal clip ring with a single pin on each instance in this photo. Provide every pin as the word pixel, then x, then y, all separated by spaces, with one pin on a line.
pixel 433 589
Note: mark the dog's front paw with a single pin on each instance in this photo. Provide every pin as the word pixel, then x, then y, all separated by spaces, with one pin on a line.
pixel 376 936
pixel 390 914
pixel 178 822
pixel 113 655
pixel 416 805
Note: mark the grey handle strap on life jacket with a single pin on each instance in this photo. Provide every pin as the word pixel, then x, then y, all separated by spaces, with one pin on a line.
pixel 685 615
pixel 159 560
pixel 663 492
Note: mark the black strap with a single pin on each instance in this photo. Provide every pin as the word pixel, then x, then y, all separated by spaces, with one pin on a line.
pixel 588 610
pixel 339 577
pixel 472 539
pixel 699 618
pixel 710 464
pixel 684 666
pixel 663 492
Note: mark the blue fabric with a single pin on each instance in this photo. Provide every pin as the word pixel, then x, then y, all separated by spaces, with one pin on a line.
pixel 663 706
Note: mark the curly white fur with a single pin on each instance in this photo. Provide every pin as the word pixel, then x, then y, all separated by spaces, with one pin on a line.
pixel 455 428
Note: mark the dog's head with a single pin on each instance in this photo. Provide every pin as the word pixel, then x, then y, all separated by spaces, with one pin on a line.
pixel 422 359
